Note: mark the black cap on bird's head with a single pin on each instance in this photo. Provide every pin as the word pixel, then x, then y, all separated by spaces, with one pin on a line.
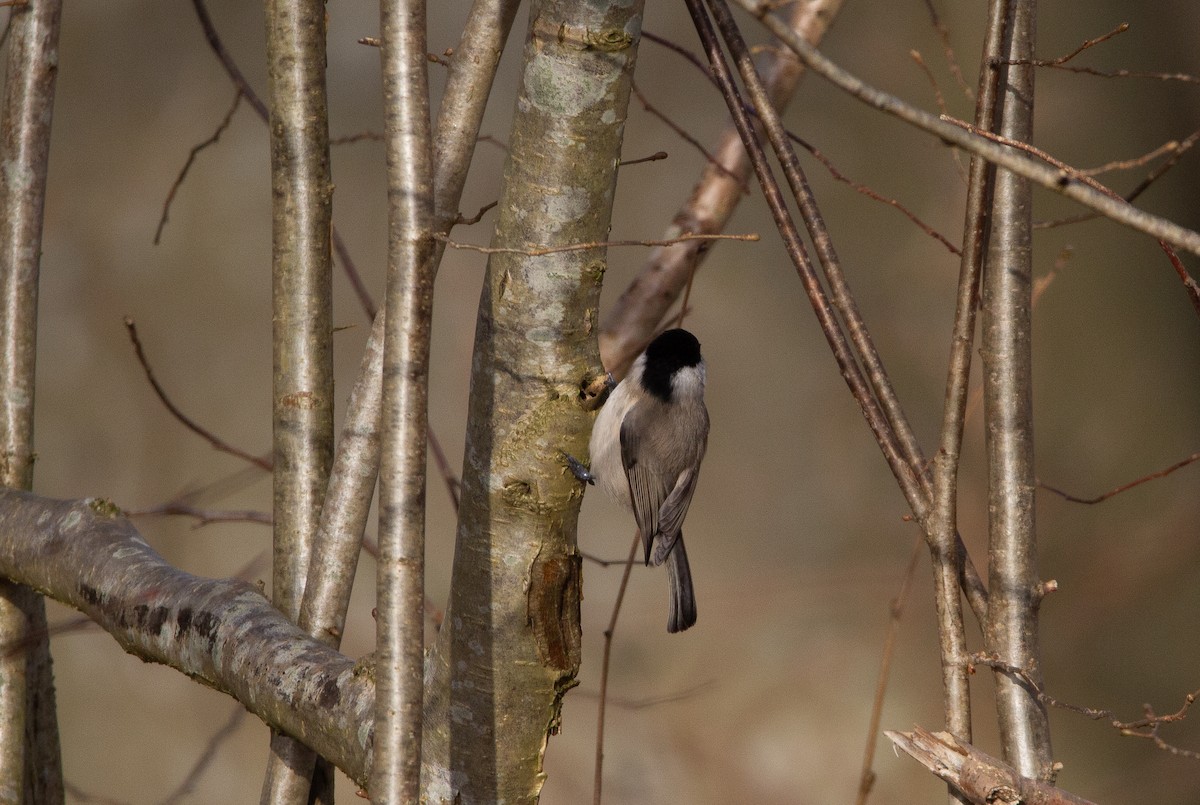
pixel 673 350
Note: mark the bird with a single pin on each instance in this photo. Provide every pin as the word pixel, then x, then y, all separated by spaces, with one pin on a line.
pixel 646 447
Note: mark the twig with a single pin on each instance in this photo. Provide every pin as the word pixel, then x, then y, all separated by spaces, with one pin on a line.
pixel 655 157
pixel 190 424
pixel 1169 147
pixel 453 485
pixel 187 165
pixel 260 108
pixel 598 779
pixel 1145 727
pixel 866 780
pixel 477 217
pixel 943 32
pixel 1123 487
pixel 600 244
pixel 1141 187
pixel 837 175
pixel 210 751
pixel 362 136
pixel 1190 286
pixel 204 516
pixel 1120 29
pixel 688 138
pixel 1118 210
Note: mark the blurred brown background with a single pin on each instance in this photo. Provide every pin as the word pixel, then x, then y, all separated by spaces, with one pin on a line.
pixel 796 535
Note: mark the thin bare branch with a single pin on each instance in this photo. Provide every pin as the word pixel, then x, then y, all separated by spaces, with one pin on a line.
pixel 598 775
pixel 655 157
pixel 942 530
pixel 866 779
pixel 206 757
pixel 1123 487
pixel 1146 727
pixel 943 32
pixel 262 462
pixel 1056 180
pixel 187 165
pixel 1120 29
pixel 260 108
pixel 687 138
pixel 203 516
pixel 1154 175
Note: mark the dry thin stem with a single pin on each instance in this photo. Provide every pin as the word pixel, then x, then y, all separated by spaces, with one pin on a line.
pixel 262 462
pixel 206 757
pixel 1141 187
pixel 1123 487
pixel 1190 286
pixel 1120 29
pixel 598 778
pixel 1146 727
pixel 655 157
pixel 688 138
pixel 187 165
pixel 260 108
pixel 534 251
pixel 878 400
pixel 866 780
pixel 942 529
pixel 203 516
pixel 943 32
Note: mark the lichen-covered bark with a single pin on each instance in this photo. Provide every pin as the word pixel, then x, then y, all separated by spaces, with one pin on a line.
pixel 509 648
pixel 222 633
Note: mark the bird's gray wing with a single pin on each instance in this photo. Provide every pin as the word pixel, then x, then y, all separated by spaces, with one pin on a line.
pixel 646 491
pixel 671 514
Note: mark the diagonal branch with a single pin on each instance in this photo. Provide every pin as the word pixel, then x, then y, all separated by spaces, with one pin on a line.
pixel 1036 171
pixel 222 633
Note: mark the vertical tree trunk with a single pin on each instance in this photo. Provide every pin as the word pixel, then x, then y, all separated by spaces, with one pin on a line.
pixel 302 195
pixel 30 762
pixel 1011 631
pixel 400 590
pixel 509 647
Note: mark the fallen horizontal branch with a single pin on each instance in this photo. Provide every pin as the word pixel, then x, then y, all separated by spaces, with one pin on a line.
pixel 223 633
pixel 980 777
